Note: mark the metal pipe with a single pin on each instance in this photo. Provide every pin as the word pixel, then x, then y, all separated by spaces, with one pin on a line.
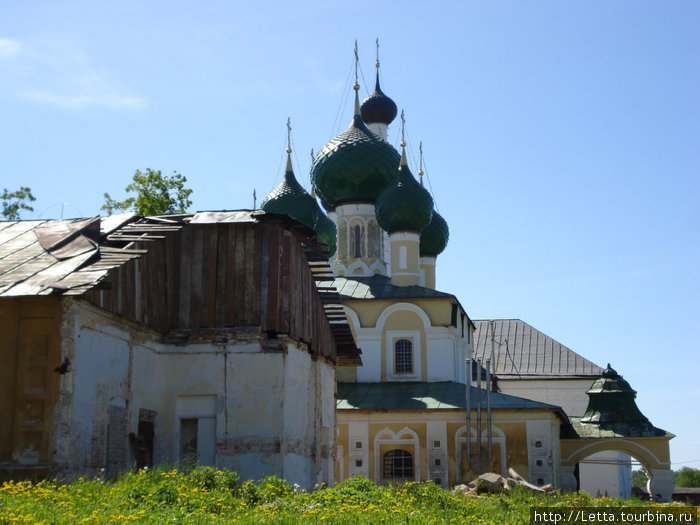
pixel 488 410
pixel 468 382
pixel 478 414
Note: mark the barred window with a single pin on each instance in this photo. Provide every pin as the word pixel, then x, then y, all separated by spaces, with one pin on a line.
pixel 403 357
pixel 397 464
pixel 358 240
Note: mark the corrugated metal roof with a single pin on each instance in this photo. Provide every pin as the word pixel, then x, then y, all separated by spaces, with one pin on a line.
pixel 521 351
pixel 419 395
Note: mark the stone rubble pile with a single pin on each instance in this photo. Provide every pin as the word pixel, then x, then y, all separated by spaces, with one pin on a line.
pixel 491 483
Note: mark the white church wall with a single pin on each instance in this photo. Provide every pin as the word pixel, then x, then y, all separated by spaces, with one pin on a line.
pixel 606 473
pixel 369 340
pixel 187 385
pixel 569 394
pixel 540 451
pixel 94 394
pixel 441 348
pixel 299 416
pixel 325 469
pixel 256 408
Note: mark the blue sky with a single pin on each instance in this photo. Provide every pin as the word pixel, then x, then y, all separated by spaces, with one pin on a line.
pixel 561 141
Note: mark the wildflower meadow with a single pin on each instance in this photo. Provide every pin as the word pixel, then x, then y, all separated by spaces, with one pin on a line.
pixel 204 495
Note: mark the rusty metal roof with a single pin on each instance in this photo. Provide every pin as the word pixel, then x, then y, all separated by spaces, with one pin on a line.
pixel 66 257
pixel 521 351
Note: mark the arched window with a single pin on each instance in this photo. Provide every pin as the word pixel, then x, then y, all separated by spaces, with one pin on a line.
pixel 403 357
pixel 358 241
pixel 397 464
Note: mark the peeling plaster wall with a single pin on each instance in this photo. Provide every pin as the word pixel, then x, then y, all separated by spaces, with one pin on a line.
pixel 273 404
pixel 96 391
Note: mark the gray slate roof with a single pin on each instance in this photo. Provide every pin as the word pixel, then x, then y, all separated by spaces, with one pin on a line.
pixel 521 351
pixel 420 395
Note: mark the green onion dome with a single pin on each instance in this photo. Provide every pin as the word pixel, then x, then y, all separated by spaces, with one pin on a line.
pixel 355 166
pixel 290 198
pixel 433 239
pixel 378 108
pixel 405 205
pixel 326 231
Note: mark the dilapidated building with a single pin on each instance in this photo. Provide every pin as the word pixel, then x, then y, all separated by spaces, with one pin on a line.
pixel 202 337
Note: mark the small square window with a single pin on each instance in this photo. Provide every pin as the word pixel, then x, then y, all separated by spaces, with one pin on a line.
pixel 358 444
pixel 438 481
pixel 436 443
pixel 358 462
pixel 438 462
pixel 538 462
pixel 538 443
pixel 540 481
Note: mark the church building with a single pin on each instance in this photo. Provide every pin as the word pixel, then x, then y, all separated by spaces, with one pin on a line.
pixel 402 412
pixel 290 341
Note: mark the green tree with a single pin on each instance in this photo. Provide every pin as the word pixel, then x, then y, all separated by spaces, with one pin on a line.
pixel 639 479
pixel 14 201
pixel 687 477
pixel 155 194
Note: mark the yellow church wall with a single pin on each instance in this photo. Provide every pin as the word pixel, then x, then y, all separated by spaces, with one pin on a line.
pixel 511 424
pixel 376 325
pixel 652 452
pixel 439 311
pixel 342 439
pixel 346 374
pixel 516 446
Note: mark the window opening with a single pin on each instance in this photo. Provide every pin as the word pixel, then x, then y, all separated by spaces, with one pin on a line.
pixel 403 356
pixel 357 241
pixel 397 464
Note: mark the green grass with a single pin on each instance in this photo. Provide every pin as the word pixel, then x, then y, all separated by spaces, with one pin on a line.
pixel 206 495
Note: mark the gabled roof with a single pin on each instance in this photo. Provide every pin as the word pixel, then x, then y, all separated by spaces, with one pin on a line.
pixel 425 396
pixel 523 352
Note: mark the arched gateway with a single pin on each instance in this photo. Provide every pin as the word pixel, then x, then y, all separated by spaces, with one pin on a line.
pixel 613 422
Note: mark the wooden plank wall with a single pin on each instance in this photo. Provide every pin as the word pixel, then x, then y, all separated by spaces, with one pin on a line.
pixel 219 276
